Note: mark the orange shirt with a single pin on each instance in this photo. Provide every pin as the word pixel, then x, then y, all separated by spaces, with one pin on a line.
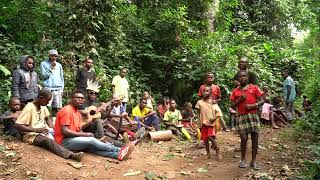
pixel 215 91
pixel 67 116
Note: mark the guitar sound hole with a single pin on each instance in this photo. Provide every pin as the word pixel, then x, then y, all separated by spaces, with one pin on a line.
pixel 92 112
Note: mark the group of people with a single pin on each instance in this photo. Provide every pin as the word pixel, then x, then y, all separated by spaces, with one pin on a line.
pixel 85 124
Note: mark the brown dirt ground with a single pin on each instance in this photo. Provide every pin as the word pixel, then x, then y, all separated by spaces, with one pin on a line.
pixel 164 160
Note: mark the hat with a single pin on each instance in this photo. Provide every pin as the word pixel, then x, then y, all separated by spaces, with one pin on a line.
pixel 93 86
pixel 53 52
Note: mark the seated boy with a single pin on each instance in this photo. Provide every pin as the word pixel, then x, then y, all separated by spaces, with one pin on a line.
pixel 10 116
pixel 172 118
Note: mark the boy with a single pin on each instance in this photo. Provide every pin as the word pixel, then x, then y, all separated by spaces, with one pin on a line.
pixel 10 116
pixel 215 94
pixel 244 98
pixel 208 115
pixel 120 86
pixel 172 118
pixel 149 99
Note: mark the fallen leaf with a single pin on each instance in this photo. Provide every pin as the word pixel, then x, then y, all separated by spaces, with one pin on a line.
pixel 107 165
pixel 268 162
pixel 150 176
pixel 9 171
pixel 168 157
pixel 131 173
pixel 236 156
pixel 10 153
pixel 170 174
pixel 185 172
pixel 76 165
pixel 203 169
pixel 31 173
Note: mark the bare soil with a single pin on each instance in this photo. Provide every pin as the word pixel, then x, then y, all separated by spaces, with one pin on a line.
pixel 150 160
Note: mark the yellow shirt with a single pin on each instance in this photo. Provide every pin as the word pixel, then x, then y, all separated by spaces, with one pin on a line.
pixel 172 116
pixel 30 116
pixel 121 87
pixel 139 113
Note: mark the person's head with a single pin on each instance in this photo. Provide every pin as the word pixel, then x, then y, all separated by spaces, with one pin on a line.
pixel 146 95
pixel 242 77
pixel 117 102
pixel 44 96
pixel 88 63
pixel 265 89
pixel 173 105
pixel 285 73
pixel 142 103
pixel 188 106
pixel 267 100
pixel 76 98
pixel 209 78
pixel 206 92
pixel 166 100
pixel 27 63
pixel 92 95
pixel 123 72
pixel 14 104
pixel 243 63
pixel 53 55
pixel 304 97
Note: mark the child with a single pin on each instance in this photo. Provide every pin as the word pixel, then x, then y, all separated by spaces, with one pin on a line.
pixel 245 97
pixel 215 95
pixel 267 113
pixel 149 99
pixel 208 115
pixel 162 107
pixel 10 116
pixel 187 115
pixel 172 118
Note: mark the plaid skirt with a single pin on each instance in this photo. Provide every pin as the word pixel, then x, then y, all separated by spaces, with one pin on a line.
pixel 247 123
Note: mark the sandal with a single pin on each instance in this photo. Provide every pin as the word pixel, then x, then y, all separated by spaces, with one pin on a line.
pixel 255 166
pixel 243 164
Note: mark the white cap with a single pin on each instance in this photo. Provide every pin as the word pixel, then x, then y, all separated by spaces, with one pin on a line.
pixel 53 52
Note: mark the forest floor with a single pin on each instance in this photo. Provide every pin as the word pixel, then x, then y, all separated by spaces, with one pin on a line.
pixel 278 156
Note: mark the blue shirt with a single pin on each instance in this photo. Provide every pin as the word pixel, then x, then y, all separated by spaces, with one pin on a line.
pixel 289 82
pixel 53 78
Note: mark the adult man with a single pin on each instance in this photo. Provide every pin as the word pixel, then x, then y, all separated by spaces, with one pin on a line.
pixel 25 80
pixel 68 132
pixel 243 66
pixel 120 86
pixel 289 92
pixel 96 125
pixel 143 114
pixel 34 122
pixel 52 73
pixel 84 74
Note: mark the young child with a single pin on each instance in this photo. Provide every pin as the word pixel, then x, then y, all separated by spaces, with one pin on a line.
pixel 149 99
pixel 215 95
pixel 10 116
pixel 247 98
pixel 172 118
pixel 267 112
pixel 187 114
pixel 208 115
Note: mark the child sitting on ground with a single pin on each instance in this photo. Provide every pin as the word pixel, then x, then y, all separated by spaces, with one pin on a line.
pixel 208 116
pixel 149 99
pixel 10 116
pixel 172 118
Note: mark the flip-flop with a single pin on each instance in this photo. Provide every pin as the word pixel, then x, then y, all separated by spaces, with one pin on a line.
pixel 255 166
pixel 242 164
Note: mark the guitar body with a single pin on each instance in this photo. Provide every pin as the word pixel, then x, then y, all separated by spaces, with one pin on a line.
pixel 90 110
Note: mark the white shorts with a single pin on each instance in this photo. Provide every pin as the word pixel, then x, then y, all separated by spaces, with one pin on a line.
pixel 56 100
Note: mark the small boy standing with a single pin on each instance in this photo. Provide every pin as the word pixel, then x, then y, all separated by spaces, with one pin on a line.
pixel 208 115
pixel 247 98
pixel 215 95
pixel 10 116
pixel 172 118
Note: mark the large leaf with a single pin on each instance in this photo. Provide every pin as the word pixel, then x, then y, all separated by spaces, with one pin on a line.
pixel 4 70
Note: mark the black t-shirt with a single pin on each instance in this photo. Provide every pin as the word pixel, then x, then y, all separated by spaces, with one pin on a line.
pixel 83 75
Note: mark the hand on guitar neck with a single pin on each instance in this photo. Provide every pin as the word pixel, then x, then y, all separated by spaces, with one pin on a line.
pixel 93 112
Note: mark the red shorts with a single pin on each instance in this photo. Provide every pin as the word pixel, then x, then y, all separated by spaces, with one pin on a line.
pixel 206 132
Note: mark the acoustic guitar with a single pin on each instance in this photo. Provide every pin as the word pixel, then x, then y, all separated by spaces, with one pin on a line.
pixel 95 112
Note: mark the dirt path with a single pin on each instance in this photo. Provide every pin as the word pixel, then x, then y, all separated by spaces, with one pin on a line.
pixel 164 160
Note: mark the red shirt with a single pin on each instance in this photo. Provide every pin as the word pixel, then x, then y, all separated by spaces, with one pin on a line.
pixel 252 92
pixel 215 91
pixel 67 116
